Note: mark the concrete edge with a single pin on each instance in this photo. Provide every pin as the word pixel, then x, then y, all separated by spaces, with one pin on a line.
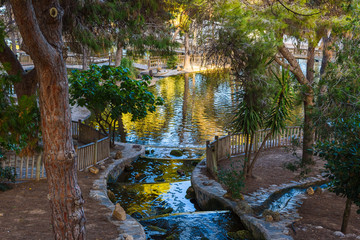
pixel 130 226
pixel 209 195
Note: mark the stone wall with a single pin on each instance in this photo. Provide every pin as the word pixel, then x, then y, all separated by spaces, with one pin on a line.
pixel 130 226
pixel 210 196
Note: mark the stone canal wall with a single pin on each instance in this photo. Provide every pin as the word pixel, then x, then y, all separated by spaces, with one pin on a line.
pixel 210 196
pixel 130 226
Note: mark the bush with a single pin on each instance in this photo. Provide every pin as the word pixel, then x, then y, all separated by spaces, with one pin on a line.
pixel 7 174
pixel 172 61
pixel 233 180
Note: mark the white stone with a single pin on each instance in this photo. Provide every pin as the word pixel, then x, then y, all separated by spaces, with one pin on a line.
pixel 351 235
pixel 319 227
pixel 286 232
pixel 338 234
pixel 358 237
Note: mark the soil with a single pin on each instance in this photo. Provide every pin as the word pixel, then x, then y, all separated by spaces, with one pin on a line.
pixel 25 212
pixel 321 215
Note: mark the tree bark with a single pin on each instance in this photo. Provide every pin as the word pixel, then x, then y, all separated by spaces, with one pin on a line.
pixel 85 58
pixel 309 130
pixel 187 52
pixel 119 54
pixel 42 34
pixel 327 53
pixel 306 81
pixel 346 216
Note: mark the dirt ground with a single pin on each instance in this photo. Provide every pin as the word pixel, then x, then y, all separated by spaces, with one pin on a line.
pixel 25 212
pixel 321 214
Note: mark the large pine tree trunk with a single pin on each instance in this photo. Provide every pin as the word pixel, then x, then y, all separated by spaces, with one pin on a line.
pixel 346 216
pixel 309 130
pixel 119 54
pixel 42 34
pixel 187 52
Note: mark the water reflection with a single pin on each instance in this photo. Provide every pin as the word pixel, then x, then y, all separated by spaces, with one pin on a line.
pixel 155 188
pixel 195 110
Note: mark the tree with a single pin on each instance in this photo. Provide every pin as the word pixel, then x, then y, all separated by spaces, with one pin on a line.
pixel 108 92
pixel 343 162
pixel 304 22
pixel 40 25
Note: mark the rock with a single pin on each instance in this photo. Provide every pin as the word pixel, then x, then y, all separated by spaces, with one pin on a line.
pixel 244 207
pixel 137 147
pixel 125 236
pixel 136 215
pixel 176 153
pixel 190 192
pixel 155 228
pixel 1 214
pixel 118 154
pixel 147 151
pixel 227 195
pixel 129 168
pixel 152 151
pixel 310 191
pixel 159 179
pixel 351 235
pixel 286 232
pixel 102 167
pixel 319 191
pixel 140 176
pixel 275 215
pixel 181 172
pixel 338 234
pixel 319 227
pixel 119 213
pixel 269 218
pixel 241 234
pixel 111 196
pixel 94 170
pixel 207 183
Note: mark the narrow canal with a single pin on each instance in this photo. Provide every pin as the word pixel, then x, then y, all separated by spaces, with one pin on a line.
pixel 155 191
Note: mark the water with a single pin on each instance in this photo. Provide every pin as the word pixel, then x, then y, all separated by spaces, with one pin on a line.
pixel 196 109
pixel 154 192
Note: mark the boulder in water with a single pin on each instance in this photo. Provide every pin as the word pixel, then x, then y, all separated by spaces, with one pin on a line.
pixel 176 153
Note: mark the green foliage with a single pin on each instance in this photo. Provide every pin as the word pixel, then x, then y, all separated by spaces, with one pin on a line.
pixel 172 61
pixel 129 64
pixel 108 92
pixel 19 120
pixel 233 180
pixel 7 174
pixel 339 89
pixel 343 158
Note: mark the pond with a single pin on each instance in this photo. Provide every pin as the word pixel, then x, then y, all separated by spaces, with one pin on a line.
pixel 196 109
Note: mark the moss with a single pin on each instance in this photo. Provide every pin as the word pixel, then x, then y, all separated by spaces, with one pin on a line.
pixel 176 153
pixel 241 235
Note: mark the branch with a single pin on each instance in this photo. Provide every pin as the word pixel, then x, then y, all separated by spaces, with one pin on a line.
pixel 25 17
pixel 295 67
pixel 296 13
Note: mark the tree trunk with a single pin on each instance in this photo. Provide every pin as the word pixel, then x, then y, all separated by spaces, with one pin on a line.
pixel 85 58
pixel 175 34
pixel 187 52
pixel 309 130
pixel 122 131
pixel 327 53
pixel 42 34
pixel 119 54
pixel 346 216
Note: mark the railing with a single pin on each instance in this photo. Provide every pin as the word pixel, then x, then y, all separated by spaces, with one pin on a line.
pixel 32 167
pixel 234 144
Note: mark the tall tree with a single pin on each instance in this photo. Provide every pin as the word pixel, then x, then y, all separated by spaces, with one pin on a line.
pixel 302 21
pixel 40 24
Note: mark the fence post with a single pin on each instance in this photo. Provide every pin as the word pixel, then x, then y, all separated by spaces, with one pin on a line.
pixel 95 152
pixel 38 166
